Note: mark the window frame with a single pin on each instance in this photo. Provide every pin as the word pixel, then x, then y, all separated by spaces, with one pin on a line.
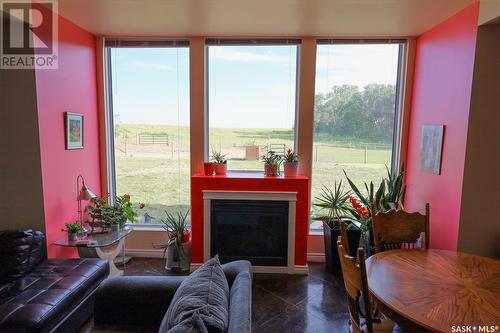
pixel 250 42
pixel 109 44
pixel 397 135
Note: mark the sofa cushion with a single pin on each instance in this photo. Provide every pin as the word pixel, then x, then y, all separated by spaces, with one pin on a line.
pixel 41 299
pixel 20 252
pixel 206 292
pixel 191 325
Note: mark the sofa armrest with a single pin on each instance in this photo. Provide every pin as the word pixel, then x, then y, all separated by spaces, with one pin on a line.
pixel 233 268
pixel 134 300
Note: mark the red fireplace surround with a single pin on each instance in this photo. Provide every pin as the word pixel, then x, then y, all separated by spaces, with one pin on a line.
pixel 250 181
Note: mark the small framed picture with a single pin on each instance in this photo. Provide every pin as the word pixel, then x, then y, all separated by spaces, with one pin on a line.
pixel 431 148
pixel 74 130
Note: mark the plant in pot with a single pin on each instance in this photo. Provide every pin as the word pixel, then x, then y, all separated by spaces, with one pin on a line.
pixel 74 230
pixel 389 195
pixel 272 163
pixel 290 163
pixel 220 162
pixel 335 203
pixel 178 247
pixel 112 216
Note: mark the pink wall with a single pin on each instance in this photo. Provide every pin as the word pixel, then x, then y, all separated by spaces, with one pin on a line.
pixel 72 88
pixel 441 95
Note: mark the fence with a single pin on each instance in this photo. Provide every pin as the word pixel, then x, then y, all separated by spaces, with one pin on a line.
pixel 345 152
pixel 151 139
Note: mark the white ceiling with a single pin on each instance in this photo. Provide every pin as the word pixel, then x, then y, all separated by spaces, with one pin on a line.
pixel 327 18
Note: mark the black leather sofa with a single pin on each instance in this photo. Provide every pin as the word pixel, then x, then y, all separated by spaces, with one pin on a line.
pixel 44 295
pixel 139 303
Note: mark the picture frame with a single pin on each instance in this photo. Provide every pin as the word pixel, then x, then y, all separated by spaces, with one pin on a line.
pixel 73 128
pixel 431 148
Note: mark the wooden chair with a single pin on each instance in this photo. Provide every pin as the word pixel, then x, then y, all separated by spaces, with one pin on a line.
pixel 356 284
pixel 397 229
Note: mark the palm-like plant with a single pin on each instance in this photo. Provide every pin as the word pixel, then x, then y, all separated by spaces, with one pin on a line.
pixel 176 226
pixel 335 201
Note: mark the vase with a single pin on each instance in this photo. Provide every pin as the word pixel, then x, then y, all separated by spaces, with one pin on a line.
pixel 209 168
pixel 271 170
pixel 220 168
pixel 331 232
pixel 291 169
pixel 115 227
pixel 185 256
pixel 72 237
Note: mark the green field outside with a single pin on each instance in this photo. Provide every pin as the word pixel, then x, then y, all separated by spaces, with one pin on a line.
pixel 158 174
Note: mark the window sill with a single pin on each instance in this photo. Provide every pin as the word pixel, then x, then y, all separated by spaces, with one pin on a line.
pixel 146 227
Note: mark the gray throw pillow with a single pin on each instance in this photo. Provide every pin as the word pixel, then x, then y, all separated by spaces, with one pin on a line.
pixel 204 293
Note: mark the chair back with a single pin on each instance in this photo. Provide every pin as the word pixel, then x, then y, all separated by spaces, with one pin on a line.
pixel 397 229
pixel 356 284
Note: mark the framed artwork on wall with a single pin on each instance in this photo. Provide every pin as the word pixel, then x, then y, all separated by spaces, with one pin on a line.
pixel 431 148
pixel 73 124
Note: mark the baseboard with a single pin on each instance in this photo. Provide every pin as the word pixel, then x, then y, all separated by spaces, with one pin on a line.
pixel 316 257
pixel 141 253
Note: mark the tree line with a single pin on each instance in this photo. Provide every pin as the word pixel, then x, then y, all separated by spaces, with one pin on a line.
pixel 349 112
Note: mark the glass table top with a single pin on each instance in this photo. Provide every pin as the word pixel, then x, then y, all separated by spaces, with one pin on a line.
pixel 96 240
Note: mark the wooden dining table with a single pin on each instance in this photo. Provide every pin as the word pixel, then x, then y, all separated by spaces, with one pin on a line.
pixel 436 290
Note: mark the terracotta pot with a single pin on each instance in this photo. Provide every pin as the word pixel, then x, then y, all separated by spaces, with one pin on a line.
pixel 220 168
pixel 271 170
pixel 291 169
pixel 209 168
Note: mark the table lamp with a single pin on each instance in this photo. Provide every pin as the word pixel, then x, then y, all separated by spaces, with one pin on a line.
pixel 82 193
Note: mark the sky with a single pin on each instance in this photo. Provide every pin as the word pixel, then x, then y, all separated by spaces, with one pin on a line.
pixel 249 86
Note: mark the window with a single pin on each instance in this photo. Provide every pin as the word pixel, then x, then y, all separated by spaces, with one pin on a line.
pixel 148 113
pixel 251 99
pixel 356 112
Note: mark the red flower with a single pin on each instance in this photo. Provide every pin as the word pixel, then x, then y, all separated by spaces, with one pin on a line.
pixel 127 196
pixel 141 206
pixel 360 209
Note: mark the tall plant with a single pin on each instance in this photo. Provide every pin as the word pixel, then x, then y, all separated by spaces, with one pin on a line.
pixel 334 202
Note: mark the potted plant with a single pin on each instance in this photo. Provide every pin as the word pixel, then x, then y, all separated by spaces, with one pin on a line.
pixel 178 247
pixel 389 195
pixel 220 162
pixel 290 163
pixel 112 216
pixel 272 163
pixel 74 230
pixel 335 203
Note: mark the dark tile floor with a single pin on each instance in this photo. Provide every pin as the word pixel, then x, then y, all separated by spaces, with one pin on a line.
pixel 283 303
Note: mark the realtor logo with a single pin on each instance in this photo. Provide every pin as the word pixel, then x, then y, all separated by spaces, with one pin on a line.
pixel 29 34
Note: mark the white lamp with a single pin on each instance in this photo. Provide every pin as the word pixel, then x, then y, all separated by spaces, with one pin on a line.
pixel 82 193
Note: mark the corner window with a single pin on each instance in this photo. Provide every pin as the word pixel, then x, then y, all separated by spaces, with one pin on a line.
pixel 251 99
pixel 356 113
pixel 148 125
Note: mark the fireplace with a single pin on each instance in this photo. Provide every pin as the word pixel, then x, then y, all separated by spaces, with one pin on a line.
pixel 254 230
pixel 254 226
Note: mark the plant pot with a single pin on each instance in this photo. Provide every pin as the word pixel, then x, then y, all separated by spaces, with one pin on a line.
pixel 271 170
pixel 331 232
pixel 115 227
pixel 291 169
pixel 185 256
pixel 220 168
pixel 72 237
pixel 178 256
pixel 209 168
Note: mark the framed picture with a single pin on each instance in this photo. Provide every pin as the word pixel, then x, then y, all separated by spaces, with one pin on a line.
pixel 431 148
pixel 73 123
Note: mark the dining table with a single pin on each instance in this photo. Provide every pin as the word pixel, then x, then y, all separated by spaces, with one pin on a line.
pixel 436 290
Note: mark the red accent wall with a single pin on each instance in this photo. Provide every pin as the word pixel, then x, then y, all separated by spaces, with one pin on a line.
pixel 441 95
pixel 250 182
pixel 72 88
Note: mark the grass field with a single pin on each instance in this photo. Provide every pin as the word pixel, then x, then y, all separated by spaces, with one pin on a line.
pixel 159 174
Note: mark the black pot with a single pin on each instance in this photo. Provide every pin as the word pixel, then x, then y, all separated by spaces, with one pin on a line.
pixel 331 231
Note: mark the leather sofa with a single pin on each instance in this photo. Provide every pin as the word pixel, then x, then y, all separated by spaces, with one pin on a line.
pixel 139 303
pixel 44 295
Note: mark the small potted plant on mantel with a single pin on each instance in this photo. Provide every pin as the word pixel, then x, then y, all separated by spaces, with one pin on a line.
pixel 220 162
pixel 74 230
pixel 290 164
pixel 178 247
pixel 272 163
pixel 335 203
